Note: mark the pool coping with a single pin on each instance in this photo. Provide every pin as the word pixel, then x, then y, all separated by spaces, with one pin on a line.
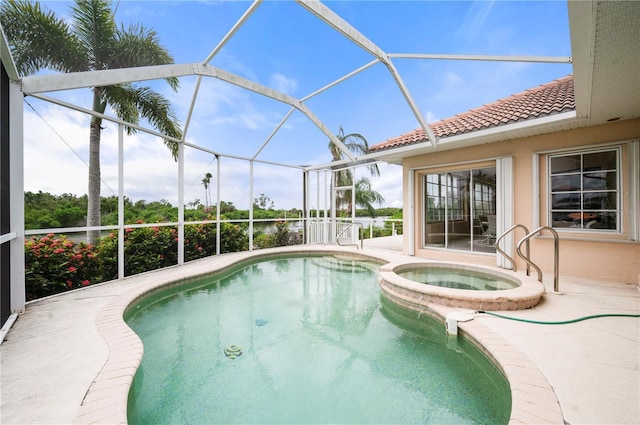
pixel 533 398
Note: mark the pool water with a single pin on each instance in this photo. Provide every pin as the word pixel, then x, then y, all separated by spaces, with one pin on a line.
pixel 447 277
pixel 303 340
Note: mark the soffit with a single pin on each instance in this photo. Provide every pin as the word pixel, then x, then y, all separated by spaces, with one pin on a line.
pixel 615 92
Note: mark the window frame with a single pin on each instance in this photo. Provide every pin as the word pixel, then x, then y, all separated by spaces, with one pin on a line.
pixel 582 191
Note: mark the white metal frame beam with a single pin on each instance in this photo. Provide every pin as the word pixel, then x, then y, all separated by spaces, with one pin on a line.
pixel 7 59
pixel 233 30
pixel 326 15
pixel 47 83
pixel 309 96
pixel 488 58
pixel 16 196
pixel 155 133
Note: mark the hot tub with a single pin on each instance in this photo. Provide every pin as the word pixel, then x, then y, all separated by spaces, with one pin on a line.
pixel 458 285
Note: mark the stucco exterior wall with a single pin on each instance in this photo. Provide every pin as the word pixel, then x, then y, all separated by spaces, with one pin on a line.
pixel 606 256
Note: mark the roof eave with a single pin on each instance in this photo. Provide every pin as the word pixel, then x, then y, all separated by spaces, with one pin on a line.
pixel 566 120
pixel 582 18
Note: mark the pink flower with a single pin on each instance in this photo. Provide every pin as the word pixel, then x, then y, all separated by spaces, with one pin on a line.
pixel 139 221
pixel 69 284
pixel 72 269
pixel 59 251
pixel 85 282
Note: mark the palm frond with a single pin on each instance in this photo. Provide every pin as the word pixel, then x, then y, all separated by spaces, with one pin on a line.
pixel 140 46
pixel 366 197
pixel 357 144
pixel 39 40
pixel 122 100
pixel 95 27
pixel 131 103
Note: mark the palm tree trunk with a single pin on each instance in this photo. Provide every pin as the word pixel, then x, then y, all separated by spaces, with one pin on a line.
pixel 93 197
pixel 93 192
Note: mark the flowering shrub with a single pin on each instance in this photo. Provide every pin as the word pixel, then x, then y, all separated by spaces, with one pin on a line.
pixel 145 249
pixel 151 248
pixel 281 236
pixel 199 241
pixel 233 238
pixel 57 264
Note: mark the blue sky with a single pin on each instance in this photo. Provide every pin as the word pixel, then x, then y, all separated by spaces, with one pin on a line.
pixel 284 47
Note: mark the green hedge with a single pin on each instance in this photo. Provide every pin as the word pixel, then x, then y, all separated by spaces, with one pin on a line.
pixel 55 264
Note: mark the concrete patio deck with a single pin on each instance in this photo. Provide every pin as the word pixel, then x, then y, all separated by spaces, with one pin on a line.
pixel 54 351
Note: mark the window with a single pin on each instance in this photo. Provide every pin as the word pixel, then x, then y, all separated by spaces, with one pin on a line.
pixel 584 190
pixel 460 209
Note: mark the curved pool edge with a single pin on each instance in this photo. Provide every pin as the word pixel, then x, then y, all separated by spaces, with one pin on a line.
pixel 106 400
pixel 533 399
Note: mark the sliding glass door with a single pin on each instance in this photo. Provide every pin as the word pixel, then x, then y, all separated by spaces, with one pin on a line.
pixel 460 209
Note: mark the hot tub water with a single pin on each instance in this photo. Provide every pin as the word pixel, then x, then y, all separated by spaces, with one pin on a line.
pixel 457 279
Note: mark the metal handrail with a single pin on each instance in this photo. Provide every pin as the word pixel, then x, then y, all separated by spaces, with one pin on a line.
pixel 508 257
pixel 556 246
pixel 349 226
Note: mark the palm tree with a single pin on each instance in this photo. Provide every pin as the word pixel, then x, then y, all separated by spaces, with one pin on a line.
pixel 357 144
pixel 207 195
pixel 366 197
pixel 40 40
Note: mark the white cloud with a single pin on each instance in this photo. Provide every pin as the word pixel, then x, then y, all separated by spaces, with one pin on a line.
pixel 452 78
pixel 232 64
pixel 55 151
pixel 223 111
pixel 430 117
pixel 475 18
pixel 389 184
pixel 283 84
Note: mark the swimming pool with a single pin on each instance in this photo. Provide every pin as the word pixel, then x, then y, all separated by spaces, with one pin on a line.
pixel 311 340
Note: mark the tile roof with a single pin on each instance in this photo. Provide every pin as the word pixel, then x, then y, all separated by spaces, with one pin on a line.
pixel 547 99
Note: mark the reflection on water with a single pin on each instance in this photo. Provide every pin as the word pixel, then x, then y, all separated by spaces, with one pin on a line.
pixel 319 345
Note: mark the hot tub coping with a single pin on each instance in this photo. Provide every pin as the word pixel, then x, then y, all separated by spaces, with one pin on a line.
pixel 526 295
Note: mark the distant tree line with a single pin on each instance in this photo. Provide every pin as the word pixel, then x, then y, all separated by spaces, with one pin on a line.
pixel 56 262
pixel 44 210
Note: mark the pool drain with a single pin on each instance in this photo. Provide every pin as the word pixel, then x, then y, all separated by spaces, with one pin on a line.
pixel 261 322
pixel 233 351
